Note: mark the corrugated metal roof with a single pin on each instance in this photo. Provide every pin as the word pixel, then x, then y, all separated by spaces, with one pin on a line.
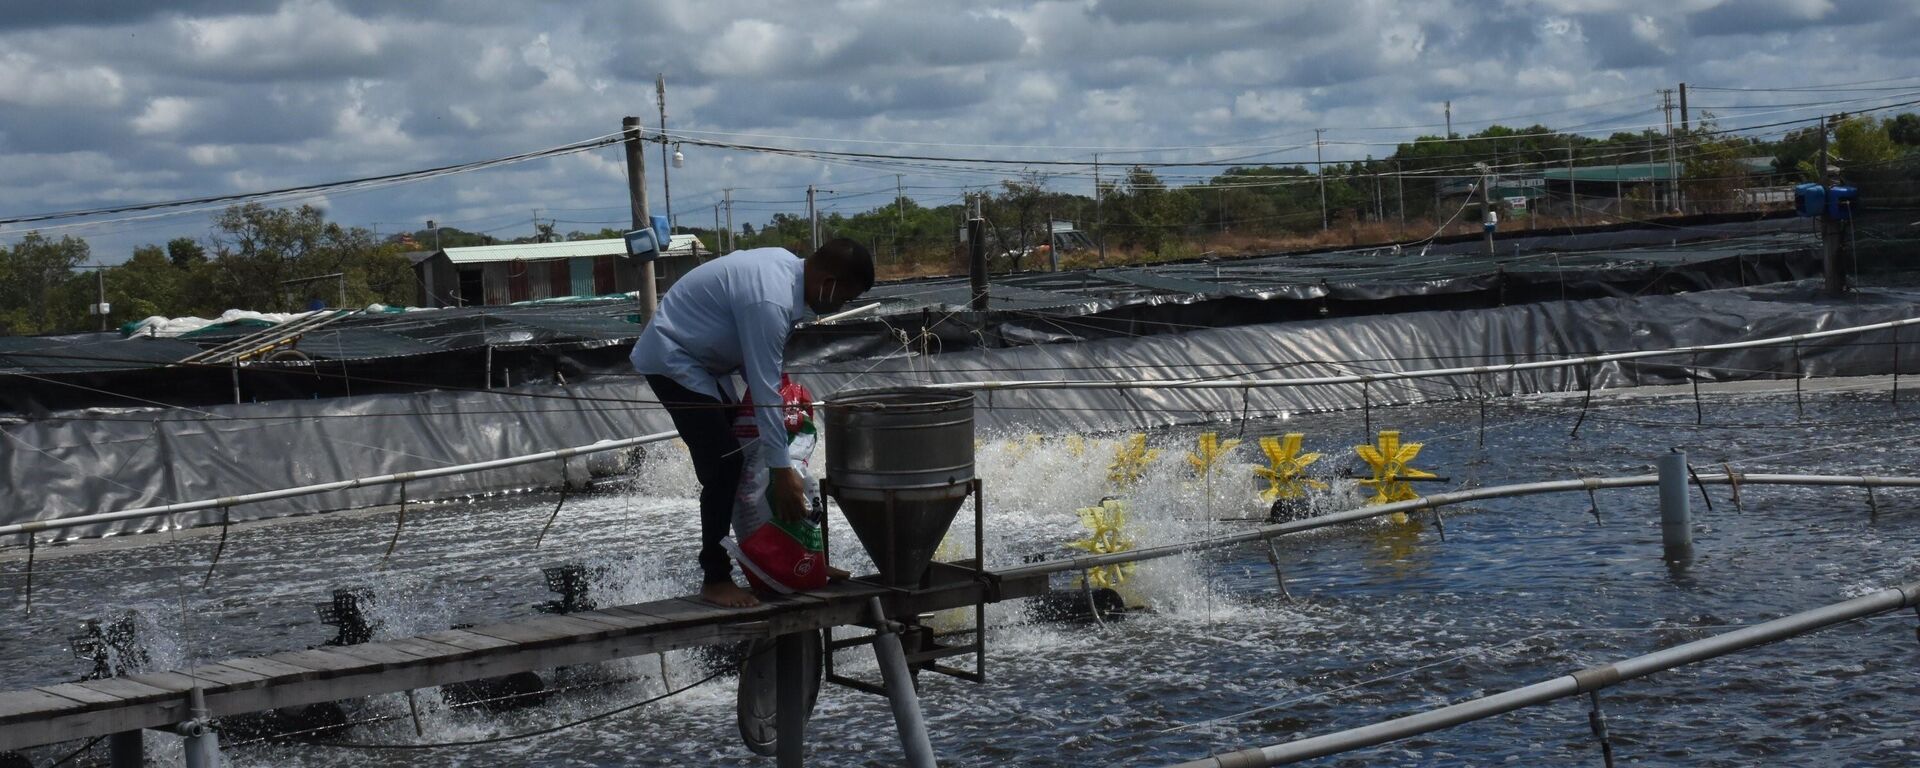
pixel 570 249
pixel 1657 171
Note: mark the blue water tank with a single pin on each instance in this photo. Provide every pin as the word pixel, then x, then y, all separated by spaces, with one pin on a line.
pixel 1841 202
pixel 1809 199
pixel 662 232
pixel 643 244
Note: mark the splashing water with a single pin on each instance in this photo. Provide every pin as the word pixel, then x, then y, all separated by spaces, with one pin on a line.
pixel 1388 620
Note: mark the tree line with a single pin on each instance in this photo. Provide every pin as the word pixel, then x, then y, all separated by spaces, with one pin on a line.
pixel 246 263
pixel 1143 217
pixel 254 250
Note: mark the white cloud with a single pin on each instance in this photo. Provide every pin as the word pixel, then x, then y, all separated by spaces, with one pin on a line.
pixel 300 38
pixel 212 154
pixel 167 114
pixel 748 47
pixel 1271 106
pixel 27 80
pixel 182 102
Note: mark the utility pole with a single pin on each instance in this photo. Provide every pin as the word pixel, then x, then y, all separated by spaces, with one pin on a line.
pixel 666 183
pixel 813 218
pixel 100 277
pixel 1488 217
pixel 1686 124
pixel 1449 120
pixel 1320 170
pixel 977 261
pixel 637 198
pixel 1573 185
pixel 1830 261
pixel 717 237
pixel 1400 193
pixel 1379 199
pixel 1673 173
pixel 731 243
pixel 1099 220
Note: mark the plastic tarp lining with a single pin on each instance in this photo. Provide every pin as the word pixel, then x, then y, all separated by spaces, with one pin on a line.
pixel 1169 309
pixel 494 346
pixel 87 352
pixel 109 459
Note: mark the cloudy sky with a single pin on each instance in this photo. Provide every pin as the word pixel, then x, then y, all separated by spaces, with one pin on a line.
pixel 114 102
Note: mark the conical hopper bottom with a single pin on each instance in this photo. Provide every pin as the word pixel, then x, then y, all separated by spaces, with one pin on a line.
pixel 901 533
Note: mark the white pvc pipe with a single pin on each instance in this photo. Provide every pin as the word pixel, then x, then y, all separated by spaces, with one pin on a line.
pixel 46 525
pixel 1582 681
pixel 337 485
pixel 1355 378
pixel 1085 562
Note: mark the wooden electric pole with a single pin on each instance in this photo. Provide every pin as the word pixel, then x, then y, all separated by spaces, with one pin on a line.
pixel 637 196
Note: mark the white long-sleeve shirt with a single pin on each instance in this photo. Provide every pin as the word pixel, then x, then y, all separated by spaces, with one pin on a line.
pixel 731 314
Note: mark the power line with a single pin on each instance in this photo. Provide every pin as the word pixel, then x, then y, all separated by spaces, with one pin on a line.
pixel 402 176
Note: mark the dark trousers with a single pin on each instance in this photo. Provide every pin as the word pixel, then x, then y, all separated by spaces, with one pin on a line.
pixel 707 429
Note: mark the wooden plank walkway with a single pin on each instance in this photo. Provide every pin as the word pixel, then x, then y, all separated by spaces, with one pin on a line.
pixel 67 711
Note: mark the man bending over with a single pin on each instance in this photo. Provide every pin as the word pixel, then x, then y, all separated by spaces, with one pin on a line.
pixel 732 315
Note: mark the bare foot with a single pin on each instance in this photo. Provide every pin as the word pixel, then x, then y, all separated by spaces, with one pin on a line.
pixel 727 594
pixel 835 574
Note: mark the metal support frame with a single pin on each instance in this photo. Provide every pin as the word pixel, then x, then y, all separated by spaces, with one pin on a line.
pixel 226 523
pixel 1366 411
pixel 201 744
pixel 1799 375
pixel 127 749
pixel 1279 573
pixel 399 523
pixel 565 483
pixel 1733 485
pixel 1586 401
pixel 1699 411
pixel 898 678
pixel 1896 366
pixel 790 718
pixel 1086 593
pixel 1598 723
pixel 31 545
pixel 927 652
pixel 1483 422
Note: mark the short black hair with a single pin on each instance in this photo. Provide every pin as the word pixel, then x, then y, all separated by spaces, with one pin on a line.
pixel 848 261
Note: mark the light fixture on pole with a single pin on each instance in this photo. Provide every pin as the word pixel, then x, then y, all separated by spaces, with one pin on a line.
pixel 679 159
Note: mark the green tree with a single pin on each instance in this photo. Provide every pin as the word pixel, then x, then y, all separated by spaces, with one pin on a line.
pixel 1712 175
pixel 1904 129
pixel 1014 217
pixel 1148 214
pixel 147 284
pixel 184 252
pixel 1862 141
pixel 34 271
pixel 259 249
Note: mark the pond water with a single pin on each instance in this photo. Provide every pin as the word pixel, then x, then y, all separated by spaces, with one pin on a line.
pixel 1388 619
